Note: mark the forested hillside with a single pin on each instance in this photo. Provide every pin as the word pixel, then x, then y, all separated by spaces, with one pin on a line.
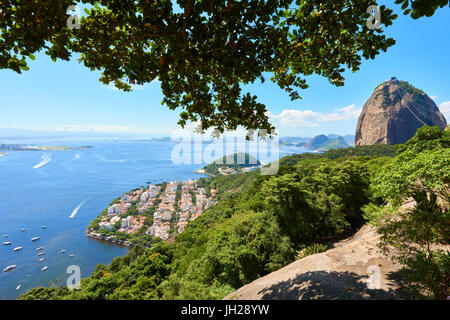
pixel 260 223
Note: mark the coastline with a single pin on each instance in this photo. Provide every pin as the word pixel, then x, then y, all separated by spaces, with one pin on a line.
pixel 14 147
pixel 110 239
pixel 143 214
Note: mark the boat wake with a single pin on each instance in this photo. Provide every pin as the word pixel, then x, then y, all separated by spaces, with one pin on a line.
pixel 46 158
pixel 75 211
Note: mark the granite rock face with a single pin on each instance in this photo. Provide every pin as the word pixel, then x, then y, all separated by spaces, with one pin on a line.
pixel 394 112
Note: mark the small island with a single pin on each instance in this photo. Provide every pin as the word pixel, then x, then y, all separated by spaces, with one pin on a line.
pixel 232 164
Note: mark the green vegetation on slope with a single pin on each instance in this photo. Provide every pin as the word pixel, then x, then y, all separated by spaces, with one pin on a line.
pixel 261 223
pixel 409 88
pixel 256 228
pixel 419 237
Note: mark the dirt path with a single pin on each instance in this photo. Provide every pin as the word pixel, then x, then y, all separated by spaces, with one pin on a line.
pixel 353 269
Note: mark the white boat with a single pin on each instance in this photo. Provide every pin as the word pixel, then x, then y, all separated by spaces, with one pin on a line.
pixel 5 236
pixel 45 159
pixel 9 268
pixel 6 243
pixel 41 253
pixel 23 229
pixel 40 248
pixel 18 287
pixel 41 259
pixel 44 227
pixel 44 268
pixel 35 239
pixel 18 248
pixel 62 251
pixel 71 255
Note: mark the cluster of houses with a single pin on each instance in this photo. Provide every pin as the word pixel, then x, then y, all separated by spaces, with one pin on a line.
pixel 163 216
pixel 188 209
pixel 175 208
pixel 227 170
pixel 142 199
pixel 230 170
pixel 181 210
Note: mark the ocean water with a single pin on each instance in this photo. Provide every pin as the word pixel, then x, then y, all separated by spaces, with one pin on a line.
pixel 44 188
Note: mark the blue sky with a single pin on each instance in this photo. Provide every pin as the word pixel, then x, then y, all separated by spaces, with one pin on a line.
pixel 67 97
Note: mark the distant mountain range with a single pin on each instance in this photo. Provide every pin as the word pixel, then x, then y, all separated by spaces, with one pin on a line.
pixel 324 142
pixel 332 141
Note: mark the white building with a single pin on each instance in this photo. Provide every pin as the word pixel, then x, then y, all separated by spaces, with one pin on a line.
pixel 167 216
pixel 114 209
pixel 145 196
pixel 105 224
pixel 157 215
pixel 115 219
pixel 126 222
pixel 150 231
pixel 153 194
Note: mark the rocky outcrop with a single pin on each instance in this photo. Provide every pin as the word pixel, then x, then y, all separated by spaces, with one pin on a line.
pixel 394 112
pixel 353 269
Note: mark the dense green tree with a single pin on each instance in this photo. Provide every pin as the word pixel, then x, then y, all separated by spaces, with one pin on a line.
pixel 260 221
pixel 203 51
pixel 422 163
pixel 419 239
pixel 321 199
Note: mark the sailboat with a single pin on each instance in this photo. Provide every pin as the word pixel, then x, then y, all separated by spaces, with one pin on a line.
pixel 9 268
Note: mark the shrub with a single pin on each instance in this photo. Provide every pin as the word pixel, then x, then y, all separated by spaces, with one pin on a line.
pixel 415 239
pixel 310 250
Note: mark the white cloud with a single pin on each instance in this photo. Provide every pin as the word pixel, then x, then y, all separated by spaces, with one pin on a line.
pixel 444 107
pixel 309 118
